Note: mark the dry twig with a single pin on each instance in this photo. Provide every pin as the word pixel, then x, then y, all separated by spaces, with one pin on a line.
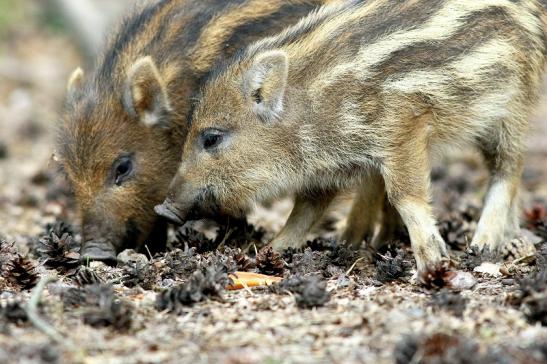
pixel 33 316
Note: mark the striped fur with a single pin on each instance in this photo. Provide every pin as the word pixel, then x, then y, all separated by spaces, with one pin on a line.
pixel 373 88
pixel 161 51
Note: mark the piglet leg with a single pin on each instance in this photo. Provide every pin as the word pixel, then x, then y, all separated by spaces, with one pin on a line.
pixel 307 210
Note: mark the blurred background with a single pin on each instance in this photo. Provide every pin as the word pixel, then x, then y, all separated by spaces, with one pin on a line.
pixel 41 43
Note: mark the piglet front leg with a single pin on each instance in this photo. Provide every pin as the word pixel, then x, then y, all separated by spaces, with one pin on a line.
pixel 406 176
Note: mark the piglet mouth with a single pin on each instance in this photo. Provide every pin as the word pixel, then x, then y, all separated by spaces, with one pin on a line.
pixel 170 213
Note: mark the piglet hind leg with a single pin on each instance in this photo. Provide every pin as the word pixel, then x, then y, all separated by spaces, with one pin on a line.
pixel 499 221
pixel 307 210
pixel 391 226
pixel 365 211
pixel 496 218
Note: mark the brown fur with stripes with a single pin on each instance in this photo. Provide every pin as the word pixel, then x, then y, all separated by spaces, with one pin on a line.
pixel 364 94
pixel 135 104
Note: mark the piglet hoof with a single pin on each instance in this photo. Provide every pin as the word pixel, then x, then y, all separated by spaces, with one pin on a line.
pixel 476 247
pixel 358 245
pixel 279 245
pixel 487 252
pixel 486 243
pixel 433 254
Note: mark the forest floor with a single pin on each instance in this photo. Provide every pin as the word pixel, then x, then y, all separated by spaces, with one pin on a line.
pixel 334 304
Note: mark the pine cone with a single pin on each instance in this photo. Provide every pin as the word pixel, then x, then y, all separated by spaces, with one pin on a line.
pixel 310 291
pixel 7 254
pixel 144 276
pixel 180 263
pixel 21 272
pixel 536 218
pixel 457 226
pixel 441 348
pixel 389 269
pixel 321 244
pixel 473 257
pixel 207 282
pixel 191 238
pixel 59 228
pixel 13 311
pixel 74 296
pixel 452 302
pixel 104 308
pixel 541 229
pixel 244 263
pixel 59 252
pixel 406 349
pixel 241 233
pixel 436 277
pixel 86 276
pixel 269 262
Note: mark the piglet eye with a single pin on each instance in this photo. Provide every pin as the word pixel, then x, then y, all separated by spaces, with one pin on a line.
pixel 211 138
pixel 123 170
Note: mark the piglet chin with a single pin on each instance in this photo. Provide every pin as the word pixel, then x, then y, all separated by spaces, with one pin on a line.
pixel 169 212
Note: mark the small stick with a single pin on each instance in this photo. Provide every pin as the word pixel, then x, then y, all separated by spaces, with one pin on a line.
pixel 383 257
pixel 353 265
pixel 518 260
pixel 246 288
pixel 32 311
pixel 148 250
pixel 227 234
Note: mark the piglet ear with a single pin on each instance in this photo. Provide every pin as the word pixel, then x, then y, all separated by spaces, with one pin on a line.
pixel 145 94
pixel 265 83
pixel 75 81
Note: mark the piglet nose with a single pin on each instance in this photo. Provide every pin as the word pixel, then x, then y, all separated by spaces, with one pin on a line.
pixel 98 250
pixel 169 212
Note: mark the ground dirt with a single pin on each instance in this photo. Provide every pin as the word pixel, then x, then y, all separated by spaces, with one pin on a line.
pixel 334 305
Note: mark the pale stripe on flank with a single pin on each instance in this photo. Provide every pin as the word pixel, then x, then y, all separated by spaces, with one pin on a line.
pixel 495 51
pixel 440 27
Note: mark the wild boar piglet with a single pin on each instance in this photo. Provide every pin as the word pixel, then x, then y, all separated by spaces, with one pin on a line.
pixel 125 122
pixel 361 94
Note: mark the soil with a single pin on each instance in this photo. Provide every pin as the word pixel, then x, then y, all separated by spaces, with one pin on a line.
pixel 333 305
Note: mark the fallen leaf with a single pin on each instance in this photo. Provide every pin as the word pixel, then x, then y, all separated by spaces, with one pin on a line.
pixel 247 279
